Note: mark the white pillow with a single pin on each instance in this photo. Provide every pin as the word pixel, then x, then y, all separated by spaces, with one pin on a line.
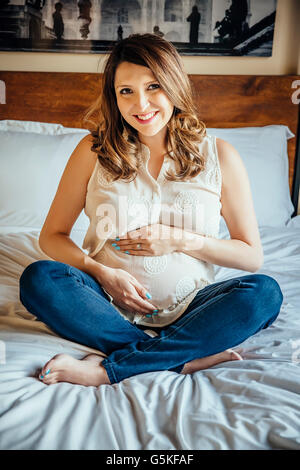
pixel 34 157
pixel 31 167
pixel 264 153
pixel 38 127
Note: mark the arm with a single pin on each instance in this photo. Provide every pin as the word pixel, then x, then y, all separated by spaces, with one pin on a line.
pixel 55 241
pixel 60 247
pixel 244 250
pixel 67 204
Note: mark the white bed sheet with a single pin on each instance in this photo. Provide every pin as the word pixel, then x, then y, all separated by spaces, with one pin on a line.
pixel 250 404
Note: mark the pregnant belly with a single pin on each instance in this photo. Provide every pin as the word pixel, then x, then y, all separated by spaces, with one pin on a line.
pixel 170 279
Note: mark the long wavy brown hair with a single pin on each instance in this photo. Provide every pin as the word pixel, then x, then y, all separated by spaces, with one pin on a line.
pixel 116 142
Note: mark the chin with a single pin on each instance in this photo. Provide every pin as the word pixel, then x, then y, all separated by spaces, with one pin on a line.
pixel 149 133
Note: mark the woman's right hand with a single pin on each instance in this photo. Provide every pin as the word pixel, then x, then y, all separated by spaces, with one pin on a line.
pixel 126 291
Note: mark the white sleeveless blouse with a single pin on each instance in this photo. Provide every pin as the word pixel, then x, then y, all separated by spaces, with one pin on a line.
pixel 114 209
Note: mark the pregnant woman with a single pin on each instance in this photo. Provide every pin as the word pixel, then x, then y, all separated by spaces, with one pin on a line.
pixel 154 185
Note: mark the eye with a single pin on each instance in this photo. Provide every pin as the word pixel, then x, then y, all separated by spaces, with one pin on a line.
pixel 155 85
pixel 124 89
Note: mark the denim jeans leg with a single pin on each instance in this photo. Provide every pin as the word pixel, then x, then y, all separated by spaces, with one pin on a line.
pixel 221 316
pixel 74 305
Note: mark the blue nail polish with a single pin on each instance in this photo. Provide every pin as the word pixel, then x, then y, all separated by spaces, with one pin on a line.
pixel 47 371
pixel 149 296
pixel 117 248
pixel 149 315
pixel 118 239
pixel 114 244
pixel 41 377
pixel 127 252
pixel 155 312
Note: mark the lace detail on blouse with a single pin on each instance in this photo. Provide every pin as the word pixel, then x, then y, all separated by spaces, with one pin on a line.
pixel 184 287
pixel 212 178
pixel 185 201
pixel 155 264
pixel 104 178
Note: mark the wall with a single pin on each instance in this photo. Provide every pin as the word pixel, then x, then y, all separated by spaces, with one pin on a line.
pixel 299 53
pixel 285 59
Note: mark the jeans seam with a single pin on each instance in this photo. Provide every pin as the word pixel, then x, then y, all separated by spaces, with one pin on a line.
pixel 159 339
pixel 30 305
pixel 109 370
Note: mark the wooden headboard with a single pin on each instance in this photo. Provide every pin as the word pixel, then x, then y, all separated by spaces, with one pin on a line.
pixel 223 101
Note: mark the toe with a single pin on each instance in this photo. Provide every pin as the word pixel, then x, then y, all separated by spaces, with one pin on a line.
pixel 44 374
pixel 235 354
pixel 51 378
pixel 46 370
pixel 238 356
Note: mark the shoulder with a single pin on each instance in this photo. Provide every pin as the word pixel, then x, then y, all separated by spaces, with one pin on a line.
pixel 226 151
pixel 83 151
pixel 83 159
pixel 86 142
pixel 231 163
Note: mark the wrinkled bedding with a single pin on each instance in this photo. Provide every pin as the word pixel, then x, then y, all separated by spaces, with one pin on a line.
pixel 250 404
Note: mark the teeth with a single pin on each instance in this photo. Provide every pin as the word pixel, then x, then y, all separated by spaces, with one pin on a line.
pixel 148 116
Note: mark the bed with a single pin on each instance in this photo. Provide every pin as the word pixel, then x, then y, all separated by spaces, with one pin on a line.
pixel 252 404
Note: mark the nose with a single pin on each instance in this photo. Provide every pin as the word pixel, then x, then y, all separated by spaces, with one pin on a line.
pixel 141 102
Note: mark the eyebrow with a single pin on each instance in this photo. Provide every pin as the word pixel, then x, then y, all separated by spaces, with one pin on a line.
pixel 151 81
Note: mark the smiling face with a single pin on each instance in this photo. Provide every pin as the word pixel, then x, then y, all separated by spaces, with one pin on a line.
pixel 141 101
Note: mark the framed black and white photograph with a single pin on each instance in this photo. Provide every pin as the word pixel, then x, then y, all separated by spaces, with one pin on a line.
pixel 195 27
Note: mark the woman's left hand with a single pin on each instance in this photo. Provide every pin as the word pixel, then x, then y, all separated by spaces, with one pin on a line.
pixel 151 240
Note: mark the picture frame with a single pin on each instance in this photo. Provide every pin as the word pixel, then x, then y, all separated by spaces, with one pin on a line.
pixel 195 27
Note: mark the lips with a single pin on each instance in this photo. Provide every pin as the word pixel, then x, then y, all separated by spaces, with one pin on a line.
pixel 146 121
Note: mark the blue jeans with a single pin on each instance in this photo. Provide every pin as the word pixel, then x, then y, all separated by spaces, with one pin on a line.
pixel 222 315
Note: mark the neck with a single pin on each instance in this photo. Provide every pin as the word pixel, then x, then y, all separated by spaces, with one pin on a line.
pixel 157 144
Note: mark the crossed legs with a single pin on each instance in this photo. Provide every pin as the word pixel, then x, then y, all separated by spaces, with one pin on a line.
pixel 74 305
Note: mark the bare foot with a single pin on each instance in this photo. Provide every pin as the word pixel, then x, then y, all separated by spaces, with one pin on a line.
pixel 209 361
pixel 95 358
pixel 65 368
